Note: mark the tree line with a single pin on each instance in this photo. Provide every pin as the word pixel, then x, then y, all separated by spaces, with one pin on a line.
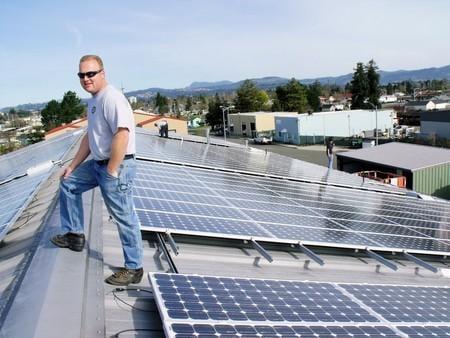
pixel 56 113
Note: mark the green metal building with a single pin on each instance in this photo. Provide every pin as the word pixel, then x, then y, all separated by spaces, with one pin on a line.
pixel 427 169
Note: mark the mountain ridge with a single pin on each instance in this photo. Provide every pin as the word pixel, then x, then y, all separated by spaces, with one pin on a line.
pixel 271 82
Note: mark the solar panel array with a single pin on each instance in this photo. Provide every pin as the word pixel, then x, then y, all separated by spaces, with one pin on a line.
pixel 17 162
pixel 192 305
pixel 142 133
pixel 250 160
pixel 213 203
pixel 17 187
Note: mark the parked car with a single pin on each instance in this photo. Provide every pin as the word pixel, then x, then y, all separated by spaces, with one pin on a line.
pixel 263 139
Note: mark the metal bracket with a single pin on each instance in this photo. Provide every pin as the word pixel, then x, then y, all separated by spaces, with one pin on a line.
pixel 310 254
pixel 165 252
pixel 172 243
pixel 262 251
pixel 420 262
pixel 381 259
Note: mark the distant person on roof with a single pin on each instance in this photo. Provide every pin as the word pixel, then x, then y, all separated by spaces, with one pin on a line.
pixel 163 128
pixel 110 140
pixel 329 149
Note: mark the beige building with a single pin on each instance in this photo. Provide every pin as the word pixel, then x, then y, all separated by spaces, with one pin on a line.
pixel 249 124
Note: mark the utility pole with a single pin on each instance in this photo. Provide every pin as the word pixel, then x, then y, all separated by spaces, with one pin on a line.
pixel 225 109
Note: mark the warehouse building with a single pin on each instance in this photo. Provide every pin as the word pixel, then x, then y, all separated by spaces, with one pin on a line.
pixel 427 169
pixel 313 128
pixel 252 123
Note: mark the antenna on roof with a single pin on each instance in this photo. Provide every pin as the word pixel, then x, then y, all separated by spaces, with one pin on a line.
pixel 122 88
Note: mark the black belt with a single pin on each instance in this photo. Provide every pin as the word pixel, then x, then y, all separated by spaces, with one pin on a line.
pixel 103 162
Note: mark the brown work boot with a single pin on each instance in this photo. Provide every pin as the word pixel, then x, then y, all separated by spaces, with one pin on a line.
pixel 125 276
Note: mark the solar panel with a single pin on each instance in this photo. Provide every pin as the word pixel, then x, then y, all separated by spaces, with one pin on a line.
pixel 195 298
pixel 425 331
pixel 210 203
pixel 185 330
pixel 17 186
pixel 405 303
pixel 247 160
pixel 17 162
pixel 192 138
pixel 193 305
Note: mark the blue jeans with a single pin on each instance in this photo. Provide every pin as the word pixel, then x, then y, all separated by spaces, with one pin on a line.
pixel 330 161
pixel 118 197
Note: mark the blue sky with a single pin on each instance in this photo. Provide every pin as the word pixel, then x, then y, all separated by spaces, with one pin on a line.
pixel 171 43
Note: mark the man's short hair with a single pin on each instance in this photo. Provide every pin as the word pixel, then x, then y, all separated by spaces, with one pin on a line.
pixel 92 57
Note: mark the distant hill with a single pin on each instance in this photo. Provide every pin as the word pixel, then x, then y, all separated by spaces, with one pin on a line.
pixel 271 82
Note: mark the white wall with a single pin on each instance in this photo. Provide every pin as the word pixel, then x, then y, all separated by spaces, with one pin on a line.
pixel 344 123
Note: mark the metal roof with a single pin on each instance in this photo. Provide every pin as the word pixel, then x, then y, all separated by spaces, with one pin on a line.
pixel 401 155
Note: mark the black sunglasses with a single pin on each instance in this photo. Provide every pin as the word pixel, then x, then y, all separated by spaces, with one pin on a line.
pixel 88 74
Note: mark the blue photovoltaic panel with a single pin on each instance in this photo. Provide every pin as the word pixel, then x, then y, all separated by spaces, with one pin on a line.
pixel 16 186
pixel 237 299
pixel 185 330
pixel 202 306
pixel 247 160
pixel 209 203
pixel 425 331
pixel 174 222
pixel 405 303
pixel 17 162
pixel 14 196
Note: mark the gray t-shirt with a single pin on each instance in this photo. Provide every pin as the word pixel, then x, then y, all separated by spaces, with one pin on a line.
pixel 107 111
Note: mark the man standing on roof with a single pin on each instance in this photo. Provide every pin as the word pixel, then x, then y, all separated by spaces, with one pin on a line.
pixel 110 140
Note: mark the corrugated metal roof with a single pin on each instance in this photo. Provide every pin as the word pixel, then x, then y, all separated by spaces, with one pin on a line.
pixel 401 155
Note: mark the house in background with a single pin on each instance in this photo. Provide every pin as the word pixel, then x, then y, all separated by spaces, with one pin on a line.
pixel 427 105
pixel 314 128
pixel 388 99
pixel 418 105
pixel 249 124
pixel 440 104
pixel 195 122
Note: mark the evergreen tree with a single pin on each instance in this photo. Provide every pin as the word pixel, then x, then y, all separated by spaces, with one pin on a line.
pixel 313 94
pixel 214 117
pixel 359 87
pixel 280 99
pixel 389 89
pixel 71 108
pixel 50 115
pixel 292 97
pixel 188 106
pixel 373 83
pixel 161 104
pixel 250 98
